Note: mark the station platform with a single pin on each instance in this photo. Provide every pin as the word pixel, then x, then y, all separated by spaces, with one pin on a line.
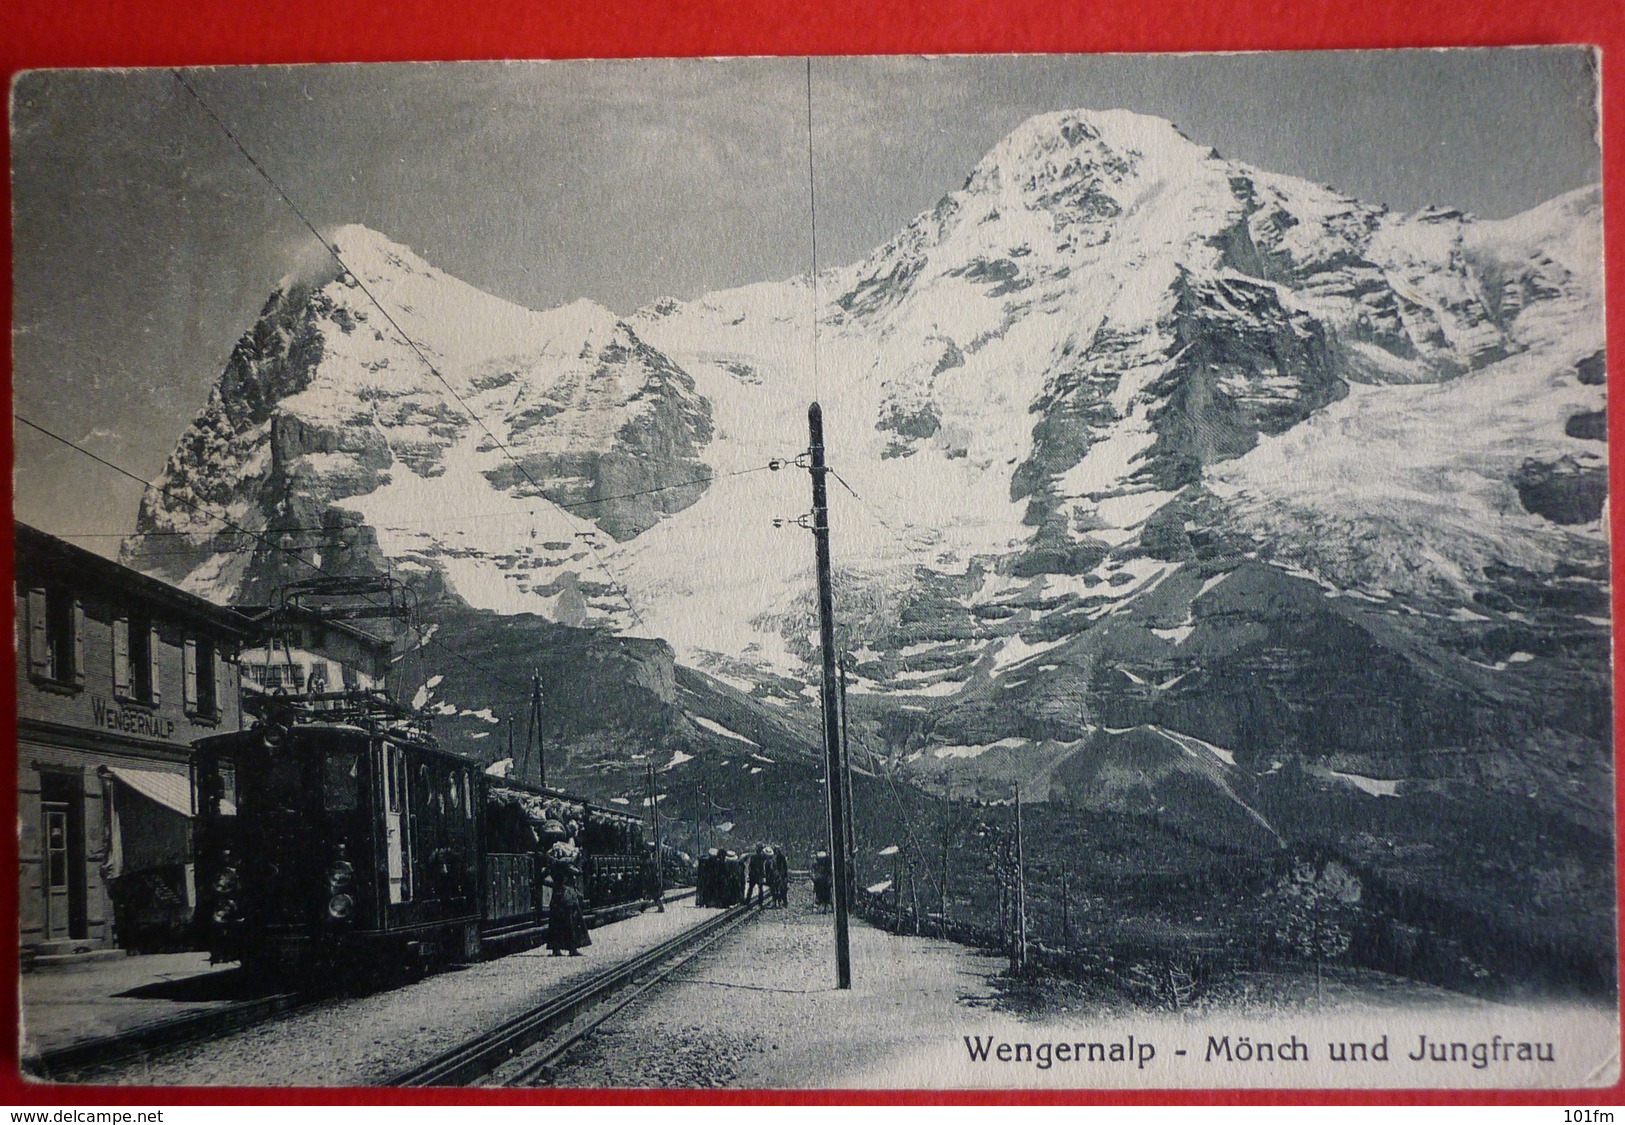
pixel 72 1001
pixel 68 1003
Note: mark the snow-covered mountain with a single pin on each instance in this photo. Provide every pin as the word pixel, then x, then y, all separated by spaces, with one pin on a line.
pixel 438 427
pixel 1144 455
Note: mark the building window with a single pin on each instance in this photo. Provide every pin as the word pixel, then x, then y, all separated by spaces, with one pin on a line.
pixel 202 694
pixel 56 637
pixel 135 671
pixel 143 661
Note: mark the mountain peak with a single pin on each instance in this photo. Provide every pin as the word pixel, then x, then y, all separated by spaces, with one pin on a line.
pixel 360 248
pixel 1111 143
pixel 365 249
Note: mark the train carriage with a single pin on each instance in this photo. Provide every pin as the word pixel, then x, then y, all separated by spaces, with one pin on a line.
pixel 327 844
pixel 522 822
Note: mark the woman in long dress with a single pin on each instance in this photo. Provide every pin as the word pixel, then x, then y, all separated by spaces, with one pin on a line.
pixel 566 918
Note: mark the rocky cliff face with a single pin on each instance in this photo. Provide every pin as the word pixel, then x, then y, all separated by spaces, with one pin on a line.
pixel 477 444
pixel 1166 485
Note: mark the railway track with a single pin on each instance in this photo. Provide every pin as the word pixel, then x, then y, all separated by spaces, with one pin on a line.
pixel 553 1024
pixel 65 1064
pixel 79 1061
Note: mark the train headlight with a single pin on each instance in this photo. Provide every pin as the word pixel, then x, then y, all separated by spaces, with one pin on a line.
pixel 224 911
pixel 340 875
pixel 340 908
pixel 225 882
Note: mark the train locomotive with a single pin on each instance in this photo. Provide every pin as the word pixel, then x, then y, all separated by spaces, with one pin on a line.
pixel 344 841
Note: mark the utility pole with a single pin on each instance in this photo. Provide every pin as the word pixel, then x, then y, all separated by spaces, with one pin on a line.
pixel 654 818
pixel 947 843
pixel 536 705
pixel 710 819
pixel 897 886
pixel 533 732
pixel 1066 907
pixel 519 769
pixel 846 793
pixel 913 900
pixel 1021 892
pixel 834 778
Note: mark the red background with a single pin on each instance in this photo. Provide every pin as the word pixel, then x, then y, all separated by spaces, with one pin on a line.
pixel 200 32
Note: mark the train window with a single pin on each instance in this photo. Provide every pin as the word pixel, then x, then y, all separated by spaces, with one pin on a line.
pixel 284 788
pixel 217 787
pixel 340 780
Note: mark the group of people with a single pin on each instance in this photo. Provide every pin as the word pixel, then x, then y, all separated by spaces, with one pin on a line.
pixel 769 873
pixel 726 878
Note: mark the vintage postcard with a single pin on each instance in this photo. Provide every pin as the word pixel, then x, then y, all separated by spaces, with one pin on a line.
pixel 999 572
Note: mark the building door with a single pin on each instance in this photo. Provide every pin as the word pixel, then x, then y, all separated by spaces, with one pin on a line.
pixel 62 816
pixel 57 923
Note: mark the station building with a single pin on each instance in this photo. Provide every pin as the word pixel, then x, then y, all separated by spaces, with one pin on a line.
pixel 297 651
pixel 117 674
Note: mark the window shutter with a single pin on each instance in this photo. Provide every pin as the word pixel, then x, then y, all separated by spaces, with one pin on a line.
pixel 39 648
pixel 189 662
pixel 78 642
pixel 152 657
pixel 122 677
pixel 216 666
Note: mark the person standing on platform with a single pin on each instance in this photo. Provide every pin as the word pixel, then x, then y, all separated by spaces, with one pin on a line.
pixel 705 880
pixel 779 877
pixel 823 880
pixel 566 915
pixel 757 874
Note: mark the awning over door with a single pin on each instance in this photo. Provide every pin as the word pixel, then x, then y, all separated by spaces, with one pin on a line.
pixel 172 790
pixel 149 820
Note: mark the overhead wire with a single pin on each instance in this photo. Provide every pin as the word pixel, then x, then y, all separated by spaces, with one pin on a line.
pixel 409 341
pixel 205 512
pixel 812 214
pixel 812 210
pixel 426 528
pixel 433 369
pixel 889 772
pixel 425 640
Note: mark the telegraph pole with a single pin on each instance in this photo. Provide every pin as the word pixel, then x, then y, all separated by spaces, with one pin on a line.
pixel 834 777
pixel 654 817
pixel 947 844
pixel 710 819
pixel 846 792
pixel 1021 891
pixel 533 727
pixel 1066 906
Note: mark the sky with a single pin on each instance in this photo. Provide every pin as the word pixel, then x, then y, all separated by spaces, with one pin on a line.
pixel 145 242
